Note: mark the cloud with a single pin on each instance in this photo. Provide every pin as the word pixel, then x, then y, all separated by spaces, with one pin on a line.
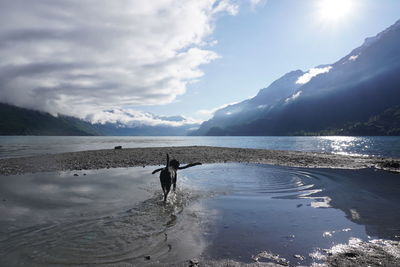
pixel 131 117
pixel 305 78
pixel 262 106
pixel 210 112
pixel 354 57
pixel 257 3
pixel 226 5
pixel 83 57
pixel 293 97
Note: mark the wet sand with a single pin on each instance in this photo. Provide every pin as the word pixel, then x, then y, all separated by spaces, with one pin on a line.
pixel 111 158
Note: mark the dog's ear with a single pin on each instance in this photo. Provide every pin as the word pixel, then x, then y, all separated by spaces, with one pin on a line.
pixel 174 163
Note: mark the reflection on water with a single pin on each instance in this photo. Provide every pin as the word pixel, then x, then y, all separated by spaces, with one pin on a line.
pixel 346 145
pixel 122 237
pixel 102 217
pixel 294 211
pixel 239 212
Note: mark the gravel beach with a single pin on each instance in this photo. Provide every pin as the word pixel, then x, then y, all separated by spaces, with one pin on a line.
pixel 130 157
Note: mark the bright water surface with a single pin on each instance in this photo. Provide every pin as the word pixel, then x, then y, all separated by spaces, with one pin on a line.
pixel 17 146
pixel 116 217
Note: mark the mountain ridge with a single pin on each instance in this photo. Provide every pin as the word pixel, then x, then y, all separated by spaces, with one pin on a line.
pixel 359 85
pixel 21 121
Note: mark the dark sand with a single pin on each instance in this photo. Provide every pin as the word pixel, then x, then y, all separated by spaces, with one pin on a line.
pixel 99 159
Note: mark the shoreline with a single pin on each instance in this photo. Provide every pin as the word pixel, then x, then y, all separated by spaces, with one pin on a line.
pixel 153 156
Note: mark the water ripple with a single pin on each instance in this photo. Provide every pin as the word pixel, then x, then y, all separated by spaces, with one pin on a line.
pixel 124 237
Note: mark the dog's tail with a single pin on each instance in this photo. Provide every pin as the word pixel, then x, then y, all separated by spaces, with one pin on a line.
pixel 167 160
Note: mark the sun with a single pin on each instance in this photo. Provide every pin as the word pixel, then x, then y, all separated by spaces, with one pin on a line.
pixel 332 11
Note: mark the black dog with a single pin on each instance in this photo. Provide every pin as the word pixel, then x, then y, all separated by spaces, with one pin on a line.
pixel 169 173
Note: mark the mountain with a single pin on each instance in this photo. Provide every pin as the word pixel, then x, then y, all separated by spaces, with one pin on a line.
pixel 114 129
pixel 385 123
pixel 253 108
pixel 327 98
pixel 171 118
pixel 20 121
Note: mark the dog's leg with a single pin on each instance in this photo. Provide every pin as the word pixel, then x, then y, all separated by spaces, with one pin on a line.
pixel 174 182
pixel 166 191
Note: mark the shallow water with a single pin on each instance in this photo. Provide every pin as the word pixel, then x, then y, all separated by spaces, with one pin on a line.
pixel 19 146
pixel 295 211
pixel 220 211
pixel 103 217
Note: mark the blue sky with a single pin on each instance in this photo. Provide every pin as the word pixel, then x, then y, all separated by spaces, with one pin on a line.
pixel 116 61
pixel 259 45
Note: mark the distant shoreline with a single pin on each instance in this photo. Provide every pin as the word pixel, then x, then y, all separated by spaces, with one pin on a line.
pixel 150 156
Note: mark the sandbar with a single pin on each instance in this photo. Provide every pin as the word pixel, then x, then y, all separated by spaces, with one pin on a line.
pixel 130 157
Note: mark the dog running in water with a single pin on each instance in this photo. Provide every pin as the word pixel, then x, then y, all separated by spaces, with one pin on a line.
pixel 169 173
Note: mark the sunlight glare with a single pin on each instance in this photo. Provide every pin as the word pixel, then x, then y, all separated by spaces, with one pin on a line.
pixel 335 10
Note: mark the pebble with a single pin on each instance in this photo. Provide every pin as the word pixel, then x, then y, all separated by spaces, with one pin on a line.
pixel 350 254
pixel 298 257
pixel 193 262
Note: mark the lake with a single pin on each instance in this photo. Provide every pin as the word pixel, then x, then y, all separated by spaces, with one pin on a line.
pixel 18 146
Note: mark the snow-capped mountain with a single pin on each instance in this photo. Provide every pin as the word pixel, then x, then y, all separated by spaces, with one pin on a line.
pixel 362 84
